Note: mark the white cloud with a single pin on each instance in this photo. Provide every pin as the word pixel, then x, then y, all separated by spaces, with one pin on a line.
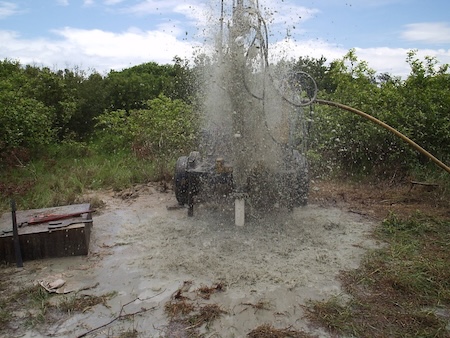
pixel 287 14
pixel 385 60
pixel 428 32
pixel 105 50
pixel 36 51
pixel 101 50
pixel 198 14
pixel 289 48
pixel 7 9
pixel 112 2
pixel 152 7
pixel 131 47
pixel 172 28
pixel 63 2
pixel 381 59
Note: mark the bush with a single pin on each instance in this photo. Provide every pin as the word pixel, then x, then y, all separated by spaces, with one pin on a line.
pixel 417 107
pixel 161 131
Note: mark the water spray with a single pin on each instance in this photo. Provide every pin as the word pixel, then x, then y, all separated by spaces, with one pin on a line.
pixel 253 123
pixel 249 151
pixel 387 127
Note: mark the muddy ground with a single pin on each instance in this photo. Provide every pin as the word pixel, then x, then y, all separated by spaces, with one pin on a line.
pixel 262 273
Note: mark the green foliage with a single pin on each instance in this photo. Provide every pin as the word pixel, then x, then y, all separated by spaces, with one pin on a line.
pixel 318 70
pixel 40 106
pixel 90 100
pixel 149 109
pixel 161 131
pixel 24 120
pixel 113 131
pixel 167 126
pixel 45 182
pixel 427 104
pixel 417 107
pixel 51 90
pixel 131 88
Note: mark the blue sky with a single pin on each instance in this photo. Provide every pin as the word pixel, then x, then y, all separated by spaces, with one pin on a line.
pixel 116 34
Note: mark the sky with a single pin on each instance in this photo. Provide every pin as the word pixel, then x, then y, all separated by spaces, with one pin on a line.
pixel 104 35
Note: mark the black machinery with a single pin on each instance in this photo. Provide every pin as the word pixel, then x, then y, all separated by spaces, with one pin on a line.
pixel 254 140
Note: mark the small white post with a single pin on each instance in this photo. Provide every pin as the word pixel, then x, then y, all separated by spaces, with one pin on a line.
pixel 239 212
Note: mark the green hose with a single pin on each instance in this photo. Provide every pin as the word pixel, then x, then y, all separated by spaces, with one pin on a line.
pixel 385 126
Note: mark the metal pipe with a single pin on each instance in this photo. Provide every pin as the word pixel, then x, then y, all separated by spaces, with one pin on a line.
pixel 240 108
pixel 220 47
pixel 388 127
pixel 17 251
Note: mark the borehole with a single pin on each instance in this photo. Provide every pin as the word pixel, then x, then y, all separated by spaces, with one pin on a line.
pixel 254 136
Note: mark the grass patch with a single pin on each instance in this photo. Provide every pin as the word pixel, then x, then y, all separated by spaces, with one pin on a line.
pixel 60 177
pixel 29 304
pixel 130 333
pixel 402 290
pixel 187 316
pixel 268 331
pixel 205 292
pixel 81 303
pixel 178 309
pixel 32 305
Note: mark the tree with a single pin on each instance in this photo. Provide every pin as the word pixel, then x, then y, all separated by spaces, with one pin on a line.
pixel 347 140
pixel 417 107
pixel 25 122
pixel 318 70
pixel 132 87
pixel 91 98
pixel 426 94
pixel 161 130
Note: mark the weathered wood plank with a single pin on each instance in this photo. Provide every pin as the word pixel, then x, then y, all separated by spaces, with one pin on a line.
pixel 38 241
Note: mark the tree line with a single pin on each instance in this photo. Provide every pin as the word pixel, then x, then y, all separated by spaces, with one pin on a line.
pixel 39 106
pixel 418 107
pixel 152 110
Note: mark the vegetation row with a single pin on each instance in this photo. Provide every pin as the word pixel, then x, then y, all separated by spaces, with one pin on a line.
pixel 128 126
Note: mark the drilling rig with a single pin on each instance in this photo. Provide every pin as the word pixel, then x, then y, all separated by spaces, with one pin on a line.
pixel 253 144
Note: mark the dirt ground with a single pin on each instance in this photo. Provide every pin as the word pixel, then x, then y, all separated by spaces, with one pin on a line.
pixel 266 271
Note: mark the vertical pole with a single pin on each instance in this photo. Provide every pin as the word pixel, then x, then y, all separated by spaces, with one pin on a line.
pixel 190 197
pixel 220 47
pixel 239 104
pixel 239 211
pixel 17 251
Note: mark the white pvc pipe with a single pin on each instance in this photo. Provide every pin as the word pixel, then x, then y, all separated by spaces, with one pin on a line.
pixel 239 211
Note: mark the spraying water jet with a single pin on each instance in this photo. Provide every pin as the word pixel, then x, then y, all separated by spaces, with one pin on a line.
pixel 254 138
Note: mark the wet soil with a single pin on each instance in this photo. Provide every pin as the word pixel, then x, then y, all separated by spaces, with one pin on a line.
pixel 145 251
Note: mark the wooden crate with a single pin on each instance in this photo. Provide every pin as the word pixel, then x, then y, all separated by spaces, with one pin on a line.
pixel 38 241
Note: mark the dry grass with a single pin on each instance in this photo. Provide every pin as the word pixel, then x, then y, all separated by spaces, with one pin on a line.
pixel 401 290
pixel 206 291
pixel 31 300
pixel 378 199
pixel 178 309
pixel 31 306
pixel 186 316
pixel 261 305
pixel 82 303
pixel 206 315
pixel 268 331
pixel 131 333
